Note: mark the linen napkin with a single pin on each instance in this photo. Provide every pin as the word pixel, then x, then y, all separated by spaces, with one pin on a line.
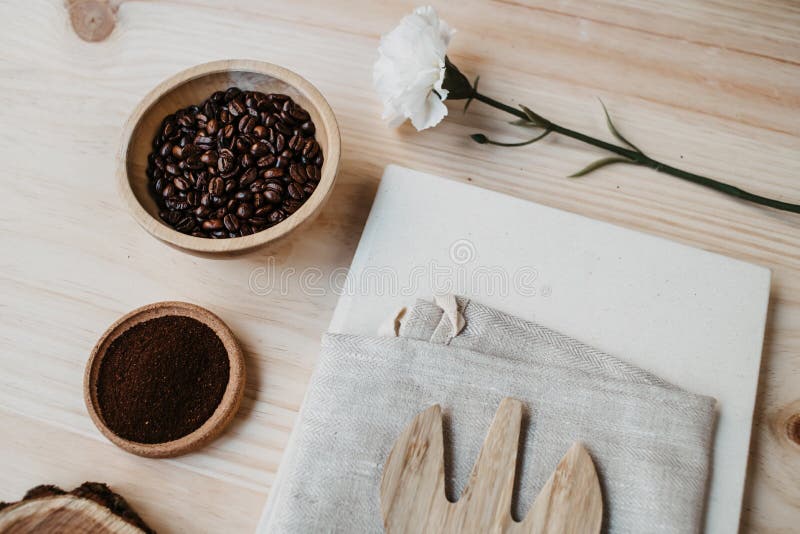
pixel 650 441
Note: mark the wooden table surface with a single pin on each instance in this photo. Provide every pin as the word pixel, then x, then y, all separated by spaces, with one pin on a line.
pixel 712 86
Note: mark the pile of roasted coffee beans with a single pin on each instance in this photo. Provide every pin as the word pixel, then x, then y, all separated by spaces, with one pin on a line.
pixel 238 163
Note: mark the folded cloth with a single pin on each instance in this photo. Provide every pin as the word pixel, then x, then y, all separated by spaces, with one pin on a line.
pixel 650 441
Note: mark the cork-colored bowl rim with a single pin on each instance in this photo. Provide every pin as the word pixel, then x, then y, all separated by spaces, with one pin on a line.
pixel 221 417
pixel 231 246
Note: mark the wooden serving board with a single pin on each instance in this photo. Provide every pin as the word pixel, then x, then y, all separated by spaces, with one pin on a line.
pixel 693 318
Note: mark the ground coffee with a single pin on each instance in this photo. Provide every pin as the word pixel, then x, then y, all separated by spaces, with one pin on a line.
pixel 162 379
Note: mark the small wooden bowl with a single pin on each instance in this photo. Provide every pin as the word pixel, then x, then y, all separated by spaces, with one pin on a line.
pixel 219 419
pixel 193 86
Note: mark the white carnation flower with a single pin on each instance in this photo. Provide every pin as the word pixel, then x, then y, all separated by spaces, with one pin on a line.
pixel 410 69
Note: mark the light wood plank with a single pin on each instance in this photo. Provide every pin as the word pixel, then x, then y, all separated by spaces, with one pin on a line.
pixel 712 86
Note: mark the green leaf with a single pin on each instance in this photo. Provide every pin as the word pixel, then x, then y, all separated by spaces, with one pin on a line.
pixel 472 96
pixel 600 164
pixel 524 123
pixel 535 118
pixel 482 139
pixel 615 132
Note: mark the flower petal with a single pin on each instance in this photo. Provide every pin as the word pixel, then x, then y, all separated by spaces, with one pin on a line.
pixel 409 71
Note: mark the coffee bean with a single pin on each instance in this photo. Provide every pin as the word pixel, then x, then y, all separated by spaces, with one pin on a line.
pixel 272 173
pixel 231 223
pixel 226 160
pixel 308 128
pixel 167 215
pixel 247 124
pixel 298 173
pixel 244 211
pixel 194 163
pixel 261 148
pixel 168 129
pixel 247 160
pixel 176 204
pixel 235 107
pixel 263 211
pixel 276 216
pixel 298 113
pixel 291 206
pixel 181 184
pixel 248 178
pixel 282 128
pixel 236 164
pixel 213 224
pixel 272 196
pixel 266 161
pixel 313 173
pixel 216 186
pixel 296 142
pixel 280 143
pixel 203 140
pixel 231 93
pixel 185 121
pixel 310 149
pixel 212 126
pixel 295 191
pixel 209 158
pixel 185 225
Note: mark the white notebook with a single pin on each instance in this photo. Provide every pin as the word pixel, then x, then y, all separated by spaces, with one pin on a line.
pixel 692 317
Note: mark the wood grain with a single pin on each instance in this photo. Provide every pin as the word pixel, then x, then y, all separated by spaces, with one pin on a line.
pixel 709 86
pixel 413 485
pixel 90 507
pixel 64 513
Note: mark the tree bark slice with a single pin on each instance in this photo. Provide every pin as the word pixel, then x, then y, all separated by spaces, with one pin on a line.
pixel 91 507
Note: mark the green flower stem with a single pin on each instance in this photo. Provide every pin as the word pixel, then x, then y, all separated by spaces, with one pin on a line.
pixel 639 158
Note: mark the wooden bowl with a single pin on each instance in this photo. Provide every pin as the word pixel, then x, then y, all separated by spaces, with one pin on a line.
pixel 219 419
pixel 193 86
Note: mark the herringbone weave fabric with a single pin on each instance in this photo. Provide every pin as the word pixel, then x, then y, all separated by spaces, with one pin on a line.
pixel 650 441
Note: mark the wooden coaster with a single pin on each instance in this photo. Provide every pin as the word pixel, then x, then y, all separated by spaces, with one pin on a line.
pixel 221 417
